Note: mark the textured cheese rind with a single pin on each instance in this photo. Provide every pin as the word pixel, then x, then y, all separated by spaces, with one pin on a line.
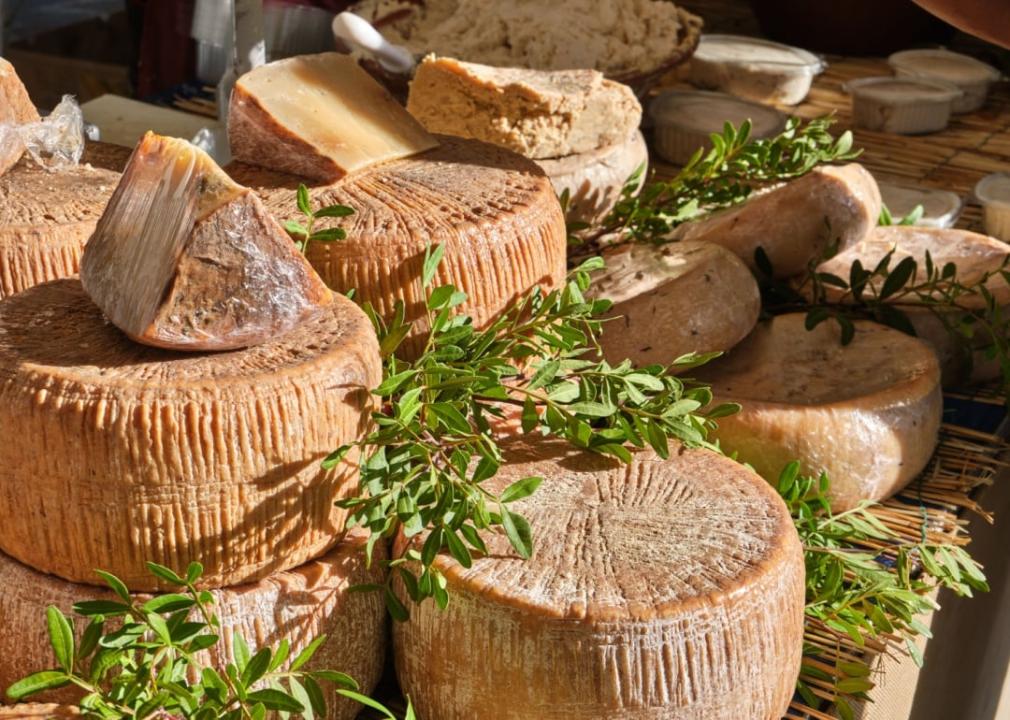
pixel 16 108
pixel 494 213
pixel 38 711
pixel 47 216
pixel 319 117
pixel 537 113
pixel 118 453
pixel 594 180
pixel 185 258
pixel 658 589
pixel 867 413
pixel 797 221
pixel 674 299
pixel 299 604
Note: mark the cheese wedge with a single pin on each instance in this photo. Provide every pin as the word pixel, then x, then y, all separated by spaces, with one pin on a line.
pixel 119 453
pixel 674 299
pixel 185 258
pixel 38 711
pixel 16 108
pixel 796 222
pixel 319 117
pixel 300 605
pixel 537 113
pixel 866 413
pixel 659 589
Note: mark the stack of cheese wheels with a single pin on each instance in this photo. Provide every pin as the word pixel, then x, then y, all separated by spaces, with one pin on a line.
pixel 299 605
pixel 657 589
pixel 866 413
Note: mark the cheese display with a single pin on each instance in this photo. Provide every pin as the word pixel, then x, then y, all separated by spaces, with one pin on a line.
pixel 494 213
pixel 674 299
pixel 16 108
pixel 47 216
pixel 658 589
pixel 539 114
pixel 866 413
pixel 794 223
pixel 119 453
pixel 185 258
pixel 299 605
pixel 319 117
pixel 38 711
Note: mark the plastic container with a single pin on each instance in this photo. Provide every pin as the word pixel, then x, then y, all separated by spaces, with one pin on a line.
pixel 940 208
pixel 683 120
pixel 755 69
pixel 907 106
pixel 993 192
pixel 972 76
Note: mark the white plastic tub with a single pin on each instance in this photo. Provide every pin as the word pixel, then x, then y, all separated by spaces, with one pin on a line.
pixel 940 208
pixel 907 106
pixel 993 192
pixel 972 76
pixel 754 69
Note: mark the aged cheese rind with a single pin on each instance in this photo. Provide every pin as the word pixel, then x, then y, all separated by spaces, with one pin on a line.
pixel 319 117
pixel 38 711
pixel 658 589
pixel 674 299
pixel 16 108
pixel 867 413
pixel 494 213
pixel 185 258
pixel 119 453
pixel 537 113
pixel 299 604
pixel 794 223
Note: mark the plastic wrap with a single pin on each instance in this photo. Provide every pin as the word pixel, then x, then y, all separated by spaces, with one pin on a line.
pixel 55 142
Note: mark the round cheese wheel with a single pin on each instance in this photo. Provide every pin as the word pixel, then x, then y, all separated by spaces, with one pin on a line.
pixel 119 453
pixel 493 211
pixel 594 180
pixel 38 711
pixel 299 605
pixel 47 216
pixel 658 589
pixel 674 299
pixel 866 413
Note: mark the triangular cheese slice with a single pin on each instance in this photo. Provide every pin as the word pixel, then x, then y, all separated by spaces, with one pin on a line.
pixel 16 108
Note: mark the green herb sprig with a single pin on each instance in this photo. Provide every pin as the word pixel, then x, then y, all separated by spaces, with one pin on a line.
pixel 305 233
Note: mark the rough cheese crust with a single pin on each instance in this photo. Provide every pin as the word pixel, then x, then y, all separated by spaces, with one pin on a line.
pixel 675 299
pixel 658 589
pixel 16 108
pixel 867 413
pixel 797 221
pixel 494 212
pixel 537 113
pixel 119 453
pixel 38 711
pixel 47 217
pixel 299 605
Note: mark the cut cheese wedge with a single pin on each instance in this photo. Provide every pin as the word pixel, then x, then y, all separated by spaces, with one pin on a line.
pixel 185 258
pixel 537 113
pixel 493 212
pixel 38 711
pixel 319 117
pixel 300 605
pixel 674 299
pixel 16 108
pixel 796 222
pixel 119 453
pixel 866 413
pixel 974 255
pixel 659 589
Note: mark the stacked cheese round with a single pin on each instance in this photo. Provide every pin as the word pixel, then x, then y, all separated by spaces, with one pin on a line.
pixel 299 605
pixel 494 213
pixel 866 413
pixel 38 711
pixel 47 216
pixel 657 589
pixel 117 453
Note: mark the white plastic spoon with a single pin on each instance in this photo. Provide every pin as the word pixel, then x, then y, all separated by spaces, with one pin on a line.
pixel 360 35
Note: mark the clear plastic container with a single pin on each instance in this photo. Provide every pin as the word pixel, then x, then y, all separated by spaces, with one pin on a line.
pixel 683 120
pixel 906 106
pixel 755 69
pixel 940 208
pixel 972 76
pixel 993 192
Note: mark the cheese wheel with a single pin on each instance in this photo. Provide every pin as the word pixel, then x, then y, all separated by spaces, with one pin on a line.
pixel 866 413
pixel 16 108
pixel 118 453
pixel 38 711
pixel 494 212
pixel 300 605
pixel 658 589
pixel 796 222
pixel 47 216
pixel 594 179
pixel 674 299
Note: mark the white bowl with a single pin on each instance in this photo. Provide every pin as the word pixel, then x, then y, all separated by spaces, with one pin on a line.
pixel 972 76
pixel 907 106
pixel 940 208
pixel 993 192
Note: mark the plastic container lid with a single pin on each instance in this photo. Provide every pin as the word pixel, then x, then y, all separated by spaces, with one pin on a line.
pixel 740 50
pixel 707 112
pixel 901 91
pixel 994 189
pixel 943 64
pixel 941 208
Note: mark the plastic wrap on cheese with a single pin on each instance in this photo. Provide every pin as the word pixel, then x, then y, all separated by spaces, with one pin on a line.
pixel 54 142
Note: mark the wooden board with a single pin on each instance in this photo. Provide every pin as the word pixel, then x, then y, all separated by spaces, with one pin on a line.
pixel 122 121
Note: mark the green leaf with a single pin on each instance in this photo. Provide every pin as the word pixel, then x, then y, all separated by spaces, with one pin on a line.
pixel 36 683
pixel 116 584
pixel 275 700
pixel 256 667
pixel 334 211
pixel 306 654
pixel 520 489
pixel 457 549
pixel 107 608
pixel 296 228
pixel 160 627
pixel 240 651
pixel 592 409
pixel 61 637
pixel 168 603
pixel 164 573
pixel 366 701
pixel 518 531
pixel 303 200
pixel 397 609
pixel 332 234
pixel 432 259
pixel 301 695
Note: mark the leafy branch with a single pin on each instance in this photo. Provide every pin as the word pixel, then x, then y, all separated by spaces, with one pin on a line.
pixel 305 233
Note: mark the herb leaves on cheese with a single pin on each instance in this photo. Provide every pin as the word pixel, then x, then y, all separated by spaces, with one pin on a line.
pixel 304 233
